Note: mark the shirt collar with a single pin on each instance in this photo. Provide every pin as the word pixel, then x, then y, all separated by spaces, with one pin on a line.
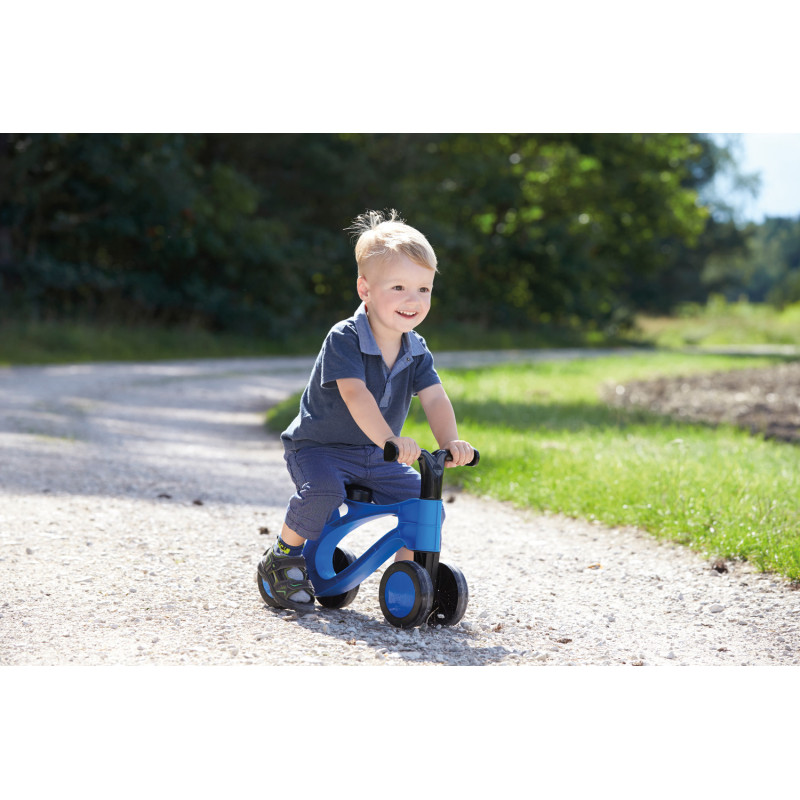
pixel 366 339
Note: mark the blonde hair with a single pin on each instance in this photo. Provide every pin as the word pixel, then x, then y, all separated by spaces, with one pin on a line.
pixel 380 237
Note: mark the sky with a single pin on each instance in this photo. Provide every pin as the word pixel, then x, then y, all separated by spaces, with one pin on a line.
pixel 776 156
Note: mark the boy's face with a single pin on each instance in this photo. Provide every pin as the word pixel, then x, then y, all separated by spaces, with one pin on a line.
pixel 397 294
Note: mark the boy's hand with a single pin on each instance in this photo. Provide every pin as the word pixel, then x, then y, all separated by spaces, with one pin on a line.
pixel 461 451
pixel 409 449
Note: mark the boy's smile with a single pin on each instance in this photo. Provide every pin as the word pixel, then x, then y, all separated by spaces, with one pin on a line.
pixel 397 295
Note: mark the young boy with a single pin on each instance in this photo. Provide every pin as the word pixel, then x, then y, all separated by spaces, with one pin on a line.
pixel 358 398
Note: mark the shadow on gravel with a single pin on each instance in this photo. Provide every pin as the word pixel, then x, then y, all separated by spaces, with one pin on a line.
pixel 446 646
pixel 144 431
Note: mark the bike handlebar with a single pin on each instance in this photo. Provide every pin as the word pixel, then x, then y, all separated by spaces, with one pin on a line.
pixel 391 451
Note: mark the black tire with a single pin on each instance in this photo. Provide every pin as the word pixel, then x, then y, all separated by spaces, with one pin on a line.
pixel 406 594
pixel 342 558
pixel 452 596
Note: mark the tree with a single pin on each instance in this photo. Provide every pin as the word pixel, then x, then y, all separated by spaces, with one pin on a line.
pixel 248 231
pixel 544 227
pixel 132 226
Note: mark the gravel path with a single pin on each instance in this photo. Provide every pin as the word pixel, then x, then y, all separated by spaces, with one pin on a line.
pixel 136 499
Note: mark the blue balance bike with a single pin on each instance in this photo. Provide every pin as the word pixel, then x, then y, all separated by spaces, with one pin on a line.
pixel 412 593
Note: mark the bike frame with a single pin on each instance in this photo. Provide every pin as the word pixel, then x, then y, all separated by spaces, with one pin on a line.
pixel 419 528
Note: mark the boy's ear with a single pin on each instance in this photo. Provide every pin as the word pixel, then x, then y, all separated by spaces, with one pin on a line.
pixel 362 287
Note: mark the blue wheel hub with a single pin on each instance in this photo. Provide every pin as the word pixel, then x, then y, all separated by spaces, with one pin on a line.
pixel 406 594
pixel 400 594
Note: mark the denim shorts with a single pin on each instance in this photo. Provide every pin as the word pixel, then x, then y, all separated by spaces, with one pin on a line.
pixel 321 473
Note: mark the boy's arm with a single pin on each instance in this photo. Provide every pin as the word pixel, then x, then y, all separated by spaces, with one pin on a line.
pixel 442 419
pixel 367 415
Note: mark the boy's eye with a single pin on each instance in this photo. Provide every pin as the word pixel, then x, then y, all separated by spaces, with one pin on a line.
pixel 400 288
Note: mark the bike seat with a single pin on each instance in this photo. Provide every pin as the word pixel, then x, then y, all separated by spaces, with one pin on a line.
pixel 358 493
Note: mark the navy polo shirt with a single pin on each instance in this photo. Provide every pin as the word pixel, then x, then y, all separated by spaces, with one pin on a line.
pixel 350 351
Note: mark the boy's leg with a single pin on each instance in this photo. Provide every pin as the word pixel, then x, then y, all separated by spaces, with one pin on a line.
pixel 290 537
pixel 319 480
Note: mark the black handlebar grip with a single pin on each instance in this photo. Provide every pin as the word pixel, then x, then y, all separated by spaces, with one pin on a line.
pixel 390 451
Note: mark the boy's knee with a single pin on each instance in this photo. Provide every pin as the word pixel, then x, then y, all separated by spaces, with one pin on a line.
pixel 309 511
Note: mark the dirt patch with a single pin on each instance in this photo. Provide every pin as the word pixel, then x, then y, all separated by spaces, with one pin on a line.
pixel 764 401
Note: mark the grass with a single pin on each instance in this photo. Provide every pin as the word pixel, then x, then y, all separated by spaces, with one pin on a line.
pixel 549 443
pixel 716 323
pixel 720 323
pixel 43 342
pixel 463 336
pixel 82 342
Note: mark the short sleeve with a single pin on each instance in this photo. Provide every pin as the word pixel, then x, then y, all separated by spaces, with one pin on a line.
pixel 340 356
pixel 424 373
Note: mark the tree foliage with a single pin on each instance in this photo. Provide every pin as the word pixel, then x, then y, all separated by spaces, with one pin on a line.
pixel 247 231
pixel 766 268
